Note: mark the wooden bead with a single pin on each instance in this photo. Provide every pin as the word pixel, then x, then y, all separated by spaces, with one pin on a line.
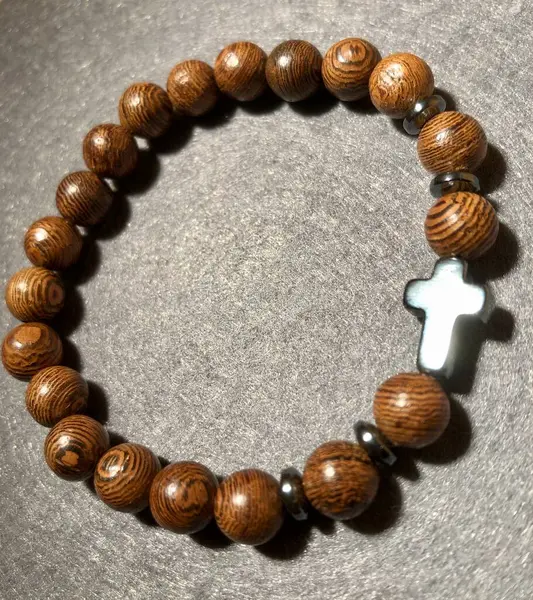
pixel 452 141
pixel 248 507
pixel 240 71
pixel 29 348
pixel 293 70
pixel 145 109
pixel 462 224
pixel 398 81
pixel 83 198
pixel 73 447
pixel 53 242
pixel 110 150
pixel 340 480
pixel 182 497
pixel 123 477
pixel 192 88
pixel 55 393
pixel 35 294
pixel 347 67
pixel 411 409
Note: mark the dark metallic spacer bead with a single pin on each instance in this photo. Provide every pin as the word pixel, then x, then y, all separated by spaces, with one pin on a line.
pixel 455 181
pixel 422 112
pixel 292 494
pixel 370 438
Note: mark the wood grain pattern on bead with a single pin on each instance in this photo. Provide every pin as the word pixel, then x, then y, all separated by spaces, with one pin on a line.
pixel 110 150
pixel 123 477
pixel 35 294
pixel 452 141
pixel 411 409
pixel 293 70
pixel 240 71
pixel 462 224
pixel 30 347
pixel 340 480
pixel 182 497
pixel 83 198
pixel 73 447
pixel 398 81
pixel 192 88
pixel 53 242
pixel 55 393
pixel 347 67
pixel 248 507
pixel 145 109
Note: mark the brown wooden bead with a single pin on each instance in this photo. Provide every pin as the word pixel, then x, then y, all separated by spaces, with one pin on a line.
pixel 29 348
pixel 461 224
pixel 73 447
pixel 145 109
pixel 110 150
pixel 452 141
pixel 347 67
pixel 35 294
pixel 340 480
pixel 55 393
pixel 192 88
pixel 53 242
pixel 398 81
pixel 293 70
pixel 83 198
pixel 248 507
pixel 123 477
pixel 240 71
pixel 411 409
pixel 182 497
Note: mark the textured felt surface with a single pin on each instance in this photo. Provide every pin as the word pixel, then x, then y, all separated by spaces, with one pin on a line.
pixel 246 301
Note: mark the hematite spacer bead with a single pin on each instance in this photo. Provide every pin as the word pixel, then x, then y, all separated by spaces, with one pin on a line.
pixel 293 495
pixel 370 438
pixel 424 110
pixel 454 181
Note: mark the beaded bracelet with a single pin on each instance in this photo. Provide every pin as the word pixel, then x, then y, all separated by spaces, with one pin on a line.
pixel 340 478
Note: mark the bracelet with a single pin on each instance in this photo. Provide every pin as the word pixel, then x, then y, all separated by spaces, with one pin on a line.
pixel 340 478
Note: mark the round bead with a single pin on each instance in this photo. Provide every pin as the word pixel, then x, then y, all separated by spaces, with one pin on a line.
pixel 35 294
pixel 398 81
pixel 53 242
pixel 340 480
pixel 411 409
pixel 347 67
pixel 293 70
pixel 29 348
pixel 192 88
pixel 123 477
pixel 422 112
pixel 55 393
pixel 83 198
pixel 110 150
pixel 182 497
pixel 461 224
pixel 373 442
pixel 452 141
pixel 145 109
pixel 454 181
pixel 73 447
pixel 240 71
pixel 248 507
pixel 292 493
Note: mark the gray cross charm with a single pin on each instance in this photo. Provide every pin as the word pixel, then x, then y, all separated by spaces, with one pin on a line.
pixel 441 300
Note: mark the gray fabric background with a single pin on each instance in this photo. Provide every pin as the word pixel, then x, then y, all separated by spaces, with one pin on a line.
pixel 246 301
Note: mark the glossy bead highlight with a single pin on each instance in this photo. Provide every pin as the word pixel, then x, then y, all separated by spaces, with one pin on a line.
pixel 53 243
pixel 192 88
pixel 35 294
pixel 293 495
pixel 110 151
pixel 240 71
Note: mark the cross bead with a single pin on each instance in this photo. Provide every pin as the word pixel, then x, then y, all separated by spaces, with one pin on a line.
pixel 440 301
